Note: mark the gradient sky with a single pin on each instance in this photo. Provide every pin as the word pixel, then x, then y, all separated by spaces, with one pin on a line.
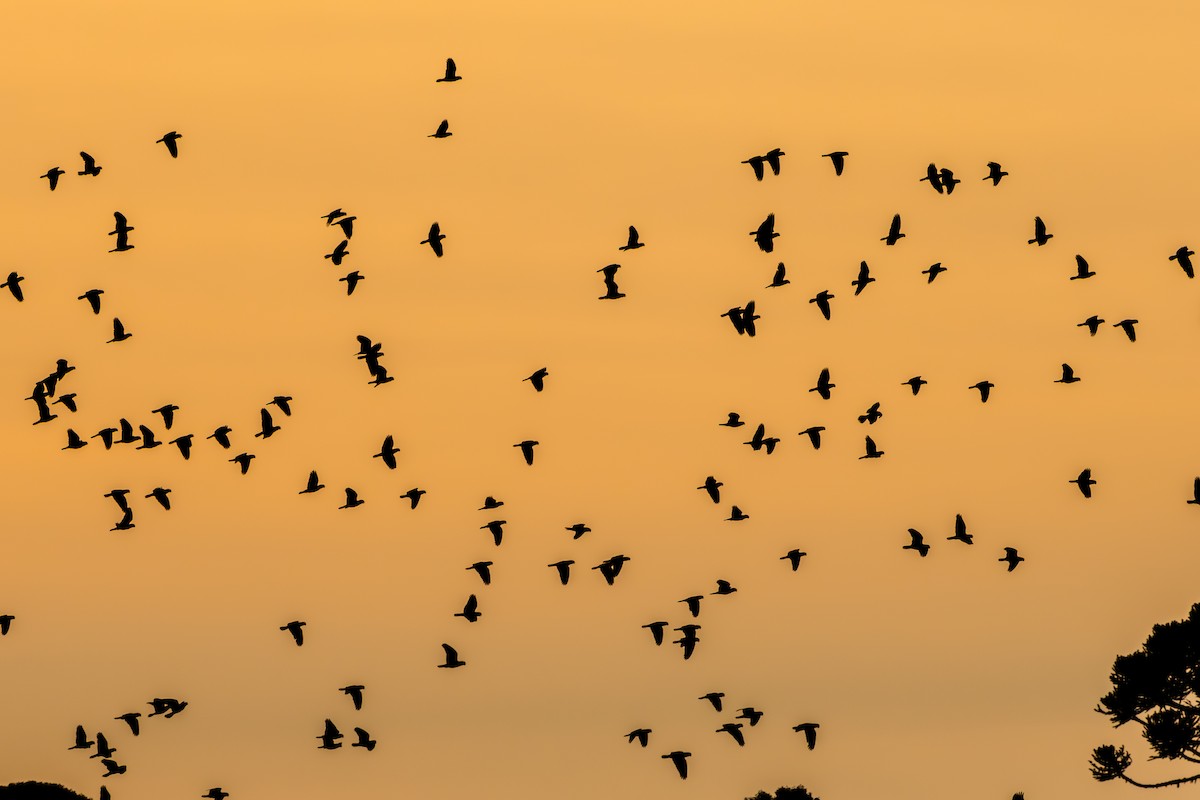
pixel 941 677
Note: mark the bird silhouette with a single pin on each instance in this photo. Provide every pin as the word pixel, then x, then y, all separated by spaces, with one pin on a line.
pixel 1010 555
pixel 295 628
pixel 243 461
pixel 1084 482
pixel 679 759
pixel 166 706
pixel 413 496
pixel 452 659
pixel 750 714
pixel 329 738
pixel 824 387
pixel 1127 326
pixel 443 130
pixel 81 740
pixel 734 420
pixel 346 223
pixel 713 487
pixel 838 157
pixel 736 515
pixel 221 436
pixel 864 278
pixel 67 401
pixel 268 426
pixel 822 300
pixel 148 440
pixel 772 158
pixel 118 497
pixel 93 298
pixel 470 612
pixel 351 280
pixel 765 235
pixel 640 735
pixel 757 164
pixel 160 494
pixel 1082 272
pixel 948 180
pixel 216 793
pixel 6 621
pixel 171 140
pixel 490 503
pixel 184 443
pixel 734 729
pixel 125 523
pixel 743 319
pixel 632 243
pixel 985 390
pixel 434 239
pixel 355 693
pixel 352 499
pixel 339 253
pixel 451 73
pixel 779 278
pixel 121 229
pixel 564 570
pixel 44 414
pixel 960 531
pixel 793 557
pixel 1040 237
pixel 74 442
pixel 313 484
pixel 13 284
pixel 127 434
pixel 893 235
pixel 483 568
pixel 52 176
pixel 872 416
pixel 131 719
pixel 714 698
pixel 103 748
pixel 89 165
pixel 527 449
pixel 688 641
pixel 995 173
pixel 1195 501
pixel 611 290
pixel 814 435
pixel 917 543
pixel 112 767
pixel 332 215
pixel 810 733
pixel 364 740
pixel 168 414
pixel 537 379
pixel 119 332
pixel 610 568
pixel 1183 256
pixel 1068 375
pixel 934 176
pixel 496 528
pixel 387 452
pixel 693 604
pixel 578 529
pixel 760 440
pixel 656 630
pixel 1092 323
pixel 724 587
pixel 872 450
pixel 933 271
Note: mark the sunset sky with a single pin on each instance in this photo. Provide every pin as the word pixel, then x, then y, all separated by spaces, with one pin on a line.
pixel 938 677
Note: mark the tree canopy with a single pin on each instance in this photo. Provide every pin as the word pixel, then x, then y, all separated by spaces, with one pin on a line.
pixel 786 793
pixel 1158 689
pixel 37 790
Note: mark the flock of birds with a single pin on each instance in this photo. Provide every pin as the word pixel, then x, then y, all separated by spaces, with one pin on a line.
pixel 48 398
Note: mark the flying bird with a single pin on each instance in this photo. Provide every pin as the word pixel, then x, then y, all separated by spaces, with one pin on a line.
pixel 387 452
pixel 995 173
pixel 483 568
pixel 267 424
pixel 332 215
pixel 89 165
pixel 352 499
pixel 443 130
pixel 119 332
pixel 1010 555
pixel 838 158
pixel 1040 237
pixel 578 529
pixel 355 693
pixel 281 401
pixel 121 230
pixel 527 449
pixel 893 235
pixel 125 523
pixel 810 733
pixel 413 496
pixel 1092 323
pixel 160 494
pixel 679 759
pixel 148 440
pixel 724 587
pixel 985 390
pixel 496 528
pixel 822 300
pixel 1068 375
pixel 917 543
pixel 765 235
pixel 537 379
pixel 1195 501
pixel 6 621
pixel 221 436
pixel 490 503
pixel 933 271
pixel 1084 482
pixel 103 748
pixel 81 740
pixel 112 767
pixel 351 280
pixel 93 298
pixel 295 628
pixel 339 253
pixel 434 239
pixel 736 515
pixel 793 557
pixel 452 659
pixel 611 290
pixel 779 278
pixel 960 531
pixel 564 570
pixel 313 484
pixel 68 401
pixel 610 568
pixel 216 793
pixel 171 140
pixel 714 698
pixel 1082 272
pixel 733 421
pixel 329 738
pixel 168 414
pixel 1183 256
pixel 750 714
pixel 948 180
pixel 934 176
pixel 1127 326
pixel 757 164
pixel 872 450
pixel 52 176
pixel 734 729
pixel 772 159
pixel 13 284
pixel 872 416
pixel 656 630
pixel 693 604
pixel 713 487
pixel 470 612
pixel 824 385
pixel 243 461
pixel 451 73
pixel 346 224
pixel 364 740
pixel 864 278
pixel 814 435
pixel 641 735
pixel 131 719
pixel 633 242
pixel 74 442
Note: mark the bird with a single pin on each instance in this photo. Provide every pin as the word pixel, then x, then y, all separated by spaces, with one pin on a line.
pixel 714 698
pixel 93 298
pixel 779 278
pixel 490 503
pixel 352 499
pixel 1183 256
pixel 765 235
pixel 688 640
pixel 44 414
pixel 6 621
pixel 995 173
pixel 824 385
pixel 339 253
pixel 564 570
pixel 713 487
pixel 1084 482
pixel 434 239
pixel 221 435
pixel 119 332
pixel 864 278
pixel 470 612
pixel 267 423
pixel 131 719
pixel 148 440
pixel 387 452
pixel 611 290
pixel 216 793
pixel 960 531
pixel 640 735
pixel 74 442
pixel 168 414
pixel 166 706
pixel 743 318
pixel 734 420
pixel 693 604
pixel 872 416
pixel 160 494
pixel 13 284
pixel 822 300
pixel 1040 237
pixel 329 738
pixel 313 484
pixel 355 693
pixel 89 165
pixel 948 180
pixel 332 215
pixel 1068 375
pixel 413 496
pixel 656 630
pixel 1195 501
pixel 772 159
pixel 734 729
pixel 118 497
pixel 872 450
pixel 1082 272
pixel 103 748
pixel 578 529
pixel 1010 555
pixel 483 568
pixel 443 130
pixel 121 230
pixel 610 568
pixel 750 714
pixel 452 659
pixel 736 515
pixel 537 379
pixel 346 223
pixel 1092 323
pixel 527 449
pixel 112 767
pixel 295 628
pixel 893 235
pixel 933 271
pixel 125 523
pixel 496 528
pixel 451 73
pixel 52 176
pixel 1127 326
pixel 814 435
pixel 724 587
pixel 985 390
pixel 282 401
pixel 838 157
pixel 934 176
pixel 127 434
pixel 633 242
pixel 81 740
pixel 243 461
pixel 171 140
pixel 364 740
pixel 679 759
pixel 760 440
pixel 917 543
pixel 810 732
pixel 793 557
pixel 915 383
pixel 757 164
pixel 351 280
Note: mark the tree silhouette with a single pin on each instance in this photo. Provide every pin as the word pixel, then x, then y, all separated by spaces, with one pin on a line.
pixel 786 793
pixel 1158 687
pixel 37 790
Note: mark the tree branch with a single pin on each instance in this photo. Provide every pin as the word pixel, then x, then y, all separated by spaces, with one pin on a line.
pixel 1176 782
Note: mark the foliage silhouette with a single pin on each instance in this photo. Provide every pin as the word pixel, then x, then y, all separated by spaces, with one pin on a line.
pixel 786 793
pixel 1158 687
pixel 38 790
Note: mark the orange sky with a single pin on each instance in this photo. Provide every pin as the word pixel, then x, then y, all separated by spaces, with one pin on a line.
pixel 940 677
